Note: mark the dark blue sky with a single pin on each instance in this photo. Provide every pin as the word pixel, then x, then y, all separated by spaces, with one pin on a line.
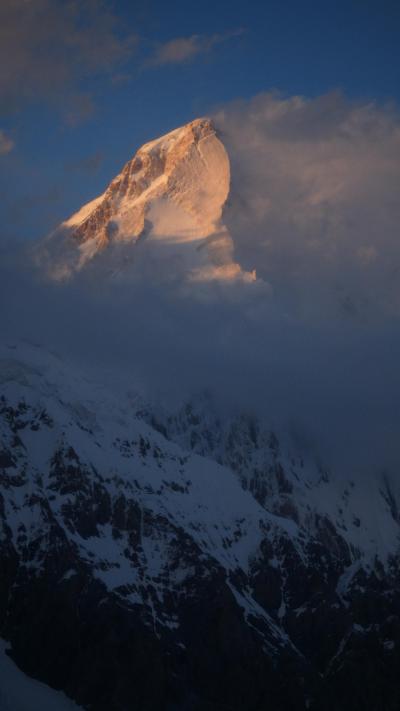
pixel 226 50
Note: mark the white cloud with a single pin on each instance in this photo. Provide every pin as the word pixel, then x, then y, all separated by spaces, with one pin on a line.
pixel 183 49
pixel 314 205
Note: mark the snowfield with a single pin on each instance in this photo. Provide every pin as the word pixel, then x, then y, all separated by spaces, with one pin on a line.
pixel 20 693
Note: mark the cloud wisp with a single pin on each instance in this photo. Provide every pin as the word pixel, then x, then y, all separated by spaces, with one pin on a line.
pixel 6 143
pixel 182 50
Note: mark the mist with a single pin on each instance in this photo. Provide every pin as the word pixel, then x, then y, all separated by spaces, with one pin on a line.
pixel 313 345
pixel 314 202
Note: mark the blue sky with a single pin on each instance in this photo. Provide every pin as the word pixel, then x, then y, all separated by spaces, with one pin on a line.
pixel 134 71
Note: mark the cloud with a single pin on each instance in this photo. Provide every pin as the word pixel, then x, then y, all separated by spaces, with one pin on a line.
pixel 314 208
pixel 50 50
pixel 6 143
pixel 183 49
pixel 336 385
pixel 314 200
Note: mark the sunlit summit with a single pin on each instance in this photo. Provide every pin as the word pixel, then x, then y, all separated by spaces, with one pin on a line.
pixel 170 196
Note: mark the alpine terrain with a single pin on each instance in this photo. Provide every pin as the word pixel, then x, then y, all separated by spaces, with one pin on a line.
pixel 167 202
pixel 182 559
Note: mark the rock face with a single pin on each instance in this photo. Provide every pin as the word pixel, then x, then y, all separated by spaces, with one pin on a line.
pixel 158 560
pixel 170 196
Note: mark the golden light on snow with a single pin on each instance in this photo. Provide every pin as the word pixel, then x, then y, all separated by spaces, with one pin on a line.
pixel 170 195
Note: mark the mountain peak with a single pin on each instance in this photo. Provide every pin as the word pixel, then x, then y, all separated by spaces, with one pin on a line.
pixel 155 171
pixel 171 193
pixel 194 130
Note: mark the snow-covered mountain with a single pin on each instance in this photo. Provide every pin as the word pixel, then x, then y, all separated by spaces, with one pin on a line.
pixel 167 202
pixel 180 560
pixel 178 557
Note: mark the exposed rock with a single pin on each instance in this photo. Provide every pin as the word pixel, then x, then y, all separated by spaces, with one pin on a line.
pixel 137 573
pixel 168 198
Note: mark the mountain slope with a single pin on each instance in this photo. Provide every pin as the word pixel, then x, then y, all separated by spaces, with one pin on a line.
pixel 173 561
pixel 167 201
pixel 19 693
